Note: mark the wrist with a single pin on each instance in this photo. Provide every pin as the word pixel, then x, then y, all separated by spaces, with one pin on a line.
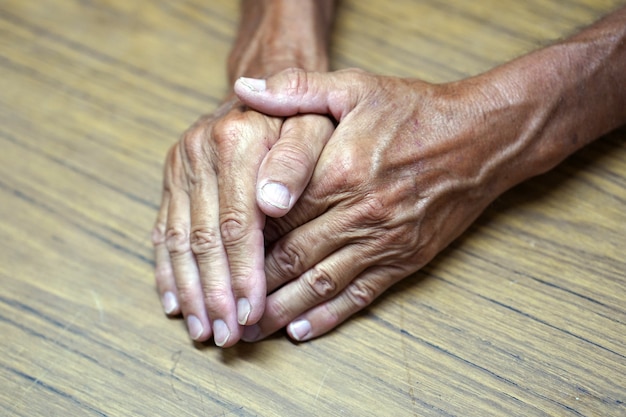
pixel 279 34
pixel 538 109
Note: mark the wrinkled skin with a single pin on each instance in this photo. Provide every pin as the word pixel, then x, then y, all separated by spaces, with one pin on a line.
pixel 208 236
pixel 405 172
pixel 408 168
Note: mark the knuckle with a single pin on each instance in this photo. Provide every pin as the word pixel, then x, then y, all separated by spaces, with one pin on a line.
pixel 216 298
pixel 319 283
pixel 287 258
pixel 357 76
pixel 293 157
pixel 192 142
pixel 361 293
pixel 233 231
pixel 297 81
pixel 402 243
pixel 372 210
pixel 243 278
pixel 228 130
pixel 186 294
pixel 204 240
pixel 344 172
pixel 177 240
pixel 278 311
pixel 360 80
pixel 158 235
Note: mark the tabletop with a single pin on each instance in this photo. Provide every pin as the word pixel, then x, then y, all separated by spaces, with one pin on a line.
pixel 523 315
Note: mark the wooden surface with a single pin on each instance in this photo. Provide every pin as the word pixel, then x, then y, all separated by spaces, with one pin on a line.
pixel 524 315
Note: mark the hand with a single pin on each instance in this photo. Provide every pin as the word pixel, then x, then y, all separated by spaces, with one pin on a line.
pixel 408 168
pixel 208 236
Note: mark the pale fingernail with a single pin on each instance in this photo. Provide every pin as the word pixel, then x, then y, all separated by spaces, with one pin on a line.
pixel 170 303
pixel 194 326
pixel 276 195
pixel 243 311
pixel 300 330
pixel 253 84
pixel 251 333
pixel 221 334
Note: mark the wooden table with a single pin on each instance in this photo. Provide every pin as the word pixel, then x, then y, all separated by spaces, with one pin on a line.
pixel 524 315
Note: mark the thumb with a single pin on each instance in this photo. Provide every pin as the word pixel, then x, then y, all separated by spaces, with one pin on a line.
pixel 294 91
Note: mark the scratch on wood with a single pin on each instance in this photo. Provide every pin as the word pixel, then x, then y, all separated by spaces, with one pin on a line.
pixel 175 359
pixel 321 385
pixel 96 300
pixel 47 369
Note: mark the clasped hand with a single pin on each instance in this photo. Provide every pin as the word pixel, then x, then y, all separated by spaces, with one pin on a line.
pixel 401 176
pixel 208 236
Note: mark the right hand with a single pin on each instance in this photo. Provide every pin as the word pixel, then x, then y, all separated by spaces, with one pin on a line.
pixel 208 236
pixel 409 166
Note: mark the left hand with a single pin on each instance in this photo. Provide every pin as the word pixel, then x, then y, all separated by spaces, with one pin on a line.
pixel 208 235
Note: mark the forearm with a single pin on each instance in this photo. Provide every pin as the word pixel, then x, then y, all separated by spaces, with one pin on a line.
pixel 558 99
pixel 278 34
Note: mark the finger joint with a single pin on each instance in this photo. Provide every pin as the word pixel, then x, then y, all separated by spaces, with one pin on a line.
pixel 319 283
pixel 204 241
pixel 177 240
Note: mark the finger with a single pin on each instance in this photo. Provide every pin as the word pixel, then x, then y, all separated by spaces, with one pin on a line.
pixel 320 283
pixel 164 275
pixel 359 294
pixel 242 144
pixel 304 247
pixel 309 206
pixel 288 166
pixel 296 91
pixel 190 295
pixel 212 262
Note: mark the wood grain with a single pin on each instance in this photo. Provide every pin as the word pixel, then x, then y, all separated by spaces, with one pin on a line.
pixel 524 315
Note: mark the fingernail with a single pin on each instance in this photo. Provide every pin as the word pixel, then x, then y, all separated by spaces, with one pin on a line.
pixel 300 330
pixel 170 304
pixel 243 310
pixel 251 333
pixel 221 334
pixel 194 326
pixel 253 84
pixel 276 195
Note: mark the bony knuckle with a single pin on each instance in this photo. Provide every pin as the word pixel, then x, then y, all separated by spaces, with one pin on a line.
pixel 319 283
pixel 401 244
pixel 227 131
pixel 192 142
pixel 204 240
pixel 373 209
pixel 233 231
pixel 177 240
pixel 287 258
pixel 347 171
pixel 361 293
